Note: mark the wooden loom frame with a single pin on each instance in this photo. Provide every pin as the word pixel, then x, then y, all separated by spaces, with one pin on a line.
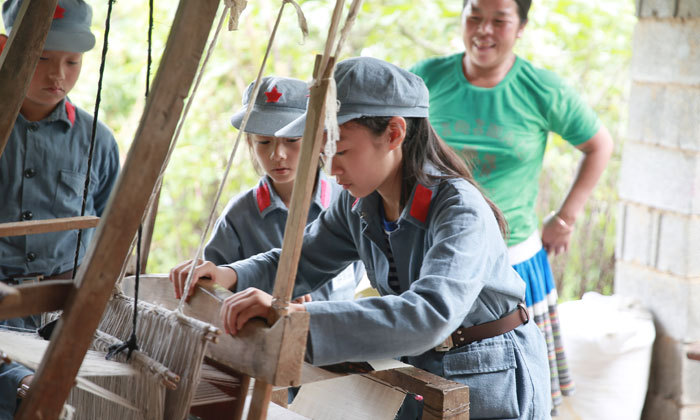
pixel 282 345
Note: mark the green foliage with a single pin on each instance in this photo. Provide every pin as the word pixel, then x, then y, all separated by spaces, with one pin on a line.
pixel 587 42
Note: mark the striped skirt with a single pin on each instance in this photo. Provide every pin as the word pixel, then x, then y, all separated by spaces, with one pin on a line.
pixel 541 300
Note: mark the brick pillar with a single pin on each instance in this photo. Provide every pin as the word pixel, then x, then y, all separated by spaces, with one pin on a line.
pixel 658 245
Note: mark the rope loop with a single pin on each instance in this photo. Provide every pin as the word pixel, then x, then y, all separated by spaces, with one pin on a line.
pixel 301 19
pixel 236 7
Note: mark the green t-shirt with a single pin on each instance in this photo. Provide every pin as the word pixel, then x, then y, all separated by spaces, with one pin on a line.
pixel 503 130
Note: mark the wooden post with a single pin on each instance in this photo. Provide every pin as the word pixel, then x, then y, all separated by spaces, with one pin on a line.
pixel 260 400
pixel 301 194
pixel 19 58
pixel 108 249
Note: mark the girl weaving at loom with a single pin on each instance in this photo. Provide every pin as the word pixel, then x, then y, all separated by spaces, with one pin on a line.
pixel 254 221
pixel 432 246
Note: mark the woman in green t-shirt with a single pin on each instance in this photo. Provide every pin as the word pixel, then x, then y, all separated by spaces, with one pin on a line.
pixel 496 110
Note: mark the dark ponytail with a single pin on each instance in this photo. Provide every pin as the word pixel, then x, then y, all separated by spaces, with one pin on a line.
pixel 423 145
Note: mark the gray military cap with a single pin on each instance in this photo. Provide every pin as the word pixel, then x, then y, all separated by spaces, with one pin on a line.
pixel 280 101
pixel 369 87
pixel 70 28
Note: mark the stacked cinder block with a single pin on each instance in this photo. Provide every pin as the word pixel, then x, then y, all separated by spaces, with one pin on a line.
pixel 658 245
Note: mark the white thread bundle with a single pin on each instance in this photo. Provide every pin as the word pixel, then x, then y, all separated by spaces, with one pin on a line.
pixel 215 386
pixel 175 340
pixel 29 349
pixel 331 122
pixel 145 391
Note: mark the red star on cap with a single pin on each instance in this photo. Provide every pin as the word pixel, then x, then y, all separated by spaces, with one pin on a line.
pixel 58 14
pixel 273 95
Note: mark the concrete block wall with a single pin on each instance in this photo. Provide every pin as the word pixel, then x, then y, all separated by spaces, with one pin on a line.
pixel 658 243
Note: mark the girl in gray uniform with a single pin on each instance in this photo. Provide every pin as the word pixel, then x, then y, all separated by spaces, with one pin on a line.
pixel 432 246
pixel 254 221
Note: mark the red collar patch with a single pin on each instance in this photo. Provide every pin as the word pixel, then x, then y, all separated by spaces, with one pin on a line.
pixel 70 112
pixel 58 14
pixel 421 203
pixel 274 95
pixel 325 194
pixel 263 197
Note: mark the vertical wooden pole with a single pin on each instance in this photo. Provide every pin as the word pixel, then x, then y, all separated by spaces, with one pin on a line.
pixel 260 401
pixel 103 261
pixel 19 58
pixel 301 194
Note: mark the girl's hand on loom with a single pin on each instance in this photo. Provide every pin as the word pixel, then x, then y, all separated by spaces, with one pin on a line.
pixel 250 303
pixel 204 271
pixel 302 299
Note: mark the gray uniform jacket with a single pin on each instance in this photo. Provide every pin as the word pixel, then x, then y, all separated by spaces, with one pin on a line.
pixel 42 176
pixel 253 222
pixel 453 270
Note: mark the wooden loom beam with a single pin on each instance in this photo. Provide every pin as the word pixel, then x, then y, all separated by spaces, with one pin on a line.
pixel 443 399
pixel 102 263
pixel 19 58
pixel 31 227
pixel 35 298
pixel 255 350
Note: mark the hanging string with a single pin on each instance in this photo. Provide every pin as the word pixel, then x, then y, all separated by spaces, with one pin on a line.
pixel 159 182
pixel 349 21
pixel 149 59
pixel 131 344
pixel 254 94
pixel 332 104
pixel 98 99
pixel 236 7
pixel 330 39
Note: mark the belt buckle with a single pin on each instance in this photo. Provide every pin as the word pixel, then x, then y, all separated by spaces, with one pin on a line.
pixel 19 280
pixel 446 345
pixel 524 314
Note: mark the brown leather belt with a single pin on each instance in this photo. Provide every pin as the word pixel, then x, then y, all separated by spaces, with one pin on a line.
pixel 467 335
pixel 34 278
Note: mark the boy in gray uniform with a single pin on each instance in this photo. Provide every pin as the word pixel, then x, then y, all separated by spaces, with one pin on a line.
pixel 44 165
pixel 452 305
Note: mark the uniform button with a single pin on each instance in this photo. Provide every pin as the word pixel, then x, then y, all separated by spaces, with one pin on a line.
pixel 33 127
pixel 31 256
pixel 29 173
pixel 27 215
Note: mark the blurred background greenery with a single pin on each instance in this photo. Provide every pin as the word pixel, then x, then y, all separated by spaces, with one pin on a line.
pixel 587 42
